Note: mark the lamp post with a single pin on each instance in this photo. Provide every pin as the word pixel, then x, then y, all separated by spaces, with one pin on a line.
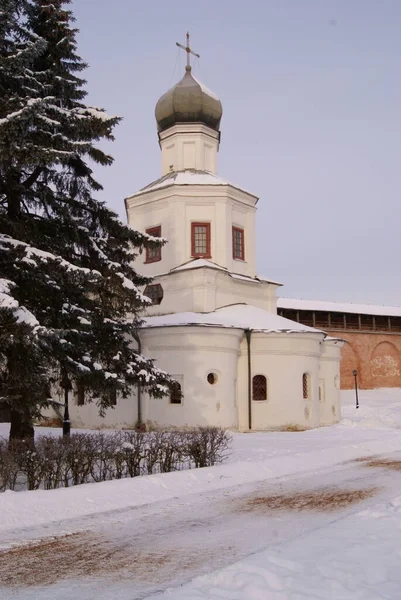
pixel 355 374
pixel 66 385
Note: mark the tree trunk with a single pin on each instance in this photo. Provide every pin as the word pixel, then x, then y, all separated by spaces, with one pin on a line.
pixel 21 427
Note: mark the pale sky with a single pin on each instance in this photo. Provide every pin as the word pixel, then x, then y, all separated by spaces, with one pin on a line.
pixel 311 93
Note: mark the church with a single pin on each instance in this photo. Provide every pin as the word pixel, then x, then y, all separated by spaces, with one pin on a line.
pixel 213 323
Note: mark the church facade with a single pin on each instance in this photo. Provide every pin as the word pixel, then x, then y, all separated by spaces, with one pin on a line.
pixel 213 324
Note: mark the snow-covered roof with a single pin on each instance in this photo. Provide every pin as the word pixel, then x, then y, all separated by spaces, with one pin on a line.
pixel 198 263
pixel 235 316
pixel 362 309
pixel 188 177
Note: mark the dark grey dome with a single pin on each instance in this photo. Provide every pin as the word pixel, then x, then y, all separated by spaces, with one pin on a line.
pixel 189 101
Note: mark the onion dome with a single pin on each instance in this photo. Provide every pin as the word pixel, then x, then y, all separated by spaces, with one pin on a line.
pixel 189 101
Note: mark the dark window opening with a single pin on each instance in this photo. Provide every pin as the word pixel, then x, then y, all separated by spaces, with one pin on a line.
pixel 306 317
pixel 306 386
pixel 259 387
pixel 154 292
pixel 395 323
pixel 154 254
pixel 381 323
pixel 337 321
pixel 322 320
pixel 212 378
pixel 289 314
pixel 176 393
pixel 366 322
pixel 352 321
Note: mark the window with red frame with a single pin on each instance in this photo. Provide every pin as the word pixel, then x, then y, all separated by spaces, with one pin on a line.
pixel 238 243
pixel 154 254
pixel 200 240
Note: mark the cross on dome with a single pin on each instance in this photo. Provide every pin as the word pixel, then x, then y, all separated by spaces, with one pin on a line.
pixel 189 51
pixel 188 101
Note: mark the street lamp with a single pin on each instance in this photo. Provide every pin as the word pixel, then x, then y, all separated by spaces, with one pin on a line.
pixel 355 374
pixel 66 385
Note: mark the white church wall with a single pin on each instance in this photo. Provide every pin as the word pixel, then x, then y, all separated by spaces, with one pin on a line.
pixel 205 289
pixel 282 359
pixel 193 353
pixel 189 146
pixel 330 402
pixel 124 414
pixel 231 291
pixel 175 208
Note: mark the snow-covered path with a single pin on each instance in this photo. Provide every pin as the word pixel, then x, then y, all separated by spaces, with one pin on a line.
pixel 290 516
pixel 146 549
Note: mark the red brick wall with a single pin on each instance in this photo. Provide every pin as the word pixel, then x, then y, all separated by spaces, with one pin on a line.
pixel 376 356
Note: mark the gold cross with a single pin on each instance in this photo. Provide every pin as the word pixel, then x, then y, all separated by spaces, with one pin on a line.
pixel 188 51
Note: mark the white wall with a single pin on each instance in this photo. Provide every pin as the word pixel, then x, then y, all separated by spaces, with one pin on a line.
pixel 124 414
pixel 189 146
pixel 193 352
pixel 174 208
pixel 190 353
pixel 205 289
pixel 330 404
pixel 282 359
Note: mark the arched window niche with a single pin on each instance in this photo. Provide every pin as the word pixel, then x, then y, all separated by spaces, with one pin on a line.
pixel 259 388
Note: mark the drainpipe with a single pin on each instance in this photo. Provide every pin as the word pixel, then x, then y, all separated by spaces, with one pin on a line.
pixel 139 419
pixel 248 333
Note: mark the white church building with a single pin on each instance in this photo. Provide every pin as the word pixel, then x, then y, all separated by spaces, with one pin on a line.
pixel 213 324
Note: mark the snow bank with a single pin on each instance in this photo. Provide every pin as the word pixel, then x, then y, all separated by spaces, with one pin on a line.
pixel 378 409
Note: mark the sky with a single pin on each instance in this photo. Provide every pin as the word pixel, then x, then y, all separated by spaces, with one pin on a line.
pixel 311 94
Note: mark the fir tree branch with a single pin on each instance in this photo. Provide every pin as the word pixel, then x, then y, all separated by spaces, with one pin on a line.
pixel 33 177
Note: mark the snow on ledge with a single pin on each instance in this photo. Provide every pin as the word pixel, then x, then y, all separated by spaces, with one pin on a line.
pixel 236 316
pixel 188 177
pixel 198 263
pixel 316 305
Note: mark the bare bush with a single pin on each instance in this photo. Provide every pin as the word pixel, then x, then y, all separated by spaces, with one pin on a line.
pixel 54 462
pixel 9 468
pixel 207 446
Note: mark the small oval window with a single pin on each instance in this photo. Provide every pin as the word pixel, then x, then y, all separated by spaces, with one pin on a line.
pixel 212 378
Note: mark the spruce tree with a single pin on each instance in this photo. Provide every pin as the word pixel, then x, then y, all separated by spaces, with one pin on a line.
pixel 67 256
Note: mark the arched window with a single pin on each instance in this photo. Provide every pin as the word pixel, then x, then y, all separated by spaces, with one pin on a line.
pixel 306 386
pixel 176 393
pixel 259 387
pixel 154 292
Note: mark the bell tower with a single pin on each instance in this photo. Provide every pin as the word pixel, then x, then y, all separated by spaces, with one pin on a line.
pixel 188 120
pixel 208 222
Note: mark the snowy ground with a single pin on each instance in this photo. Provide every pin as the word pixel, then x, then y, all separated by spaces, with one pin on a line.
pixel 291 516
